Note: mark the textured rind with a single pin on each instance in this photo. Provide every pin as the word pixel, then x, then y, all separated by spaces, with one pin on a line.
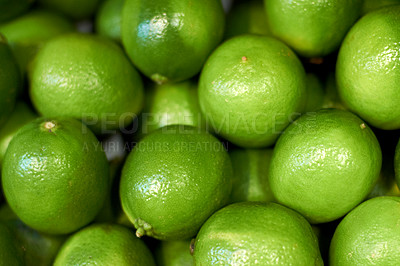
pixel 325 164
pixel 312 28
pixel 104 244
pixel 90 78
pixel 369 234
pixel 250 88
pixel 56 182
pixel 169 40
pixel 251 233
pixel 173 180
pixel 368 68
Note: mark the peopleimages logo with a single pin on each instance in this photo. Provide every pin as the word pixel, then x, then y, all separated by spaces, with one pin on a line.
pixel 231 123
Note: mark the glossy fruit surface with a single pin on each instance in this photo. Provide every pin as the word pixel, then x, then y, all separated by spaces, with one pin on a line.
pixel 251 88
pixel 169 40
pixel 325 164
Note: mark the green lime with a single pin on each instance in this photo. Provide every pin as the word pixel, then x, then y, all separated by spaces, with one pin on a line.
pixel 312 28
pixel 10 253
pixel 315 93
pixel 27 34
pixel 13 8
pixel 250 233
pixel 172 104
pixel 368 71
pixel 325 164
pixel 173 180
pixel 76 9
pixel 89 79
pixel 55 176
pixel 368 235
pixel 104 244
pixel 247 17
pixel 10 80
pixel 251 88
pixel 169 40
pixel 108 19
pixel 38 249
pixel 21 115
pixel 174 253
pixel 371 5
pixel 250 175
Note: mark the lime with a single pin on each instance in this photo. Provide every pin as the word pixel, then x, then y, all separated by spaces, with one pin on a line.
pixel 27 34
pixel 250 233
pixel 104 244
pixel 86 77
pixel 76 9
pixel 174 253
pixel 312 28
pixel 172 104
pixel 10 80
pixel 13 8
pixel 250 88
pixel 38 249
pixel 325 164
pixel 371 5
pixel 55 177
pixel 108 19
pixel 21 115
pixel 315 93
pixel 173 180
pixel 368 71
pixel 247 17
pixel 10 254
pixel 369 234
pixel 169 40
pixel 250 175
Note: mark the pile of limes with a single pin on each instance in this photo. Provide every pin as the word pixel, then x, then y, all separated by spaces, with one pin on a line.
pixel 199 132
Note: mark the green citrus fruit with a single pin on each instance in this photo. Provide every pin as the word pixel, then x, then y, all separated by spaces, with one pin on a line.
pixel 173 180
pixel 250 175
pixel 108 19
pixel 250 233
pixel 104 244
pixel 13 8
pixel 250 88
pixel 368 235
pixel 169 40
pixel 55 176
pixel 38 249
pixel 174 253
pixel 315 93
pixel 312 28
pixel 172 104
pixel 10 80
pixel 10 254
pixel 368 71
pixel 86 77
pixel 325 164
pixel 75 9
pixel 28 33
pixel 247 17
pixel 21 115
pixel 371 5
